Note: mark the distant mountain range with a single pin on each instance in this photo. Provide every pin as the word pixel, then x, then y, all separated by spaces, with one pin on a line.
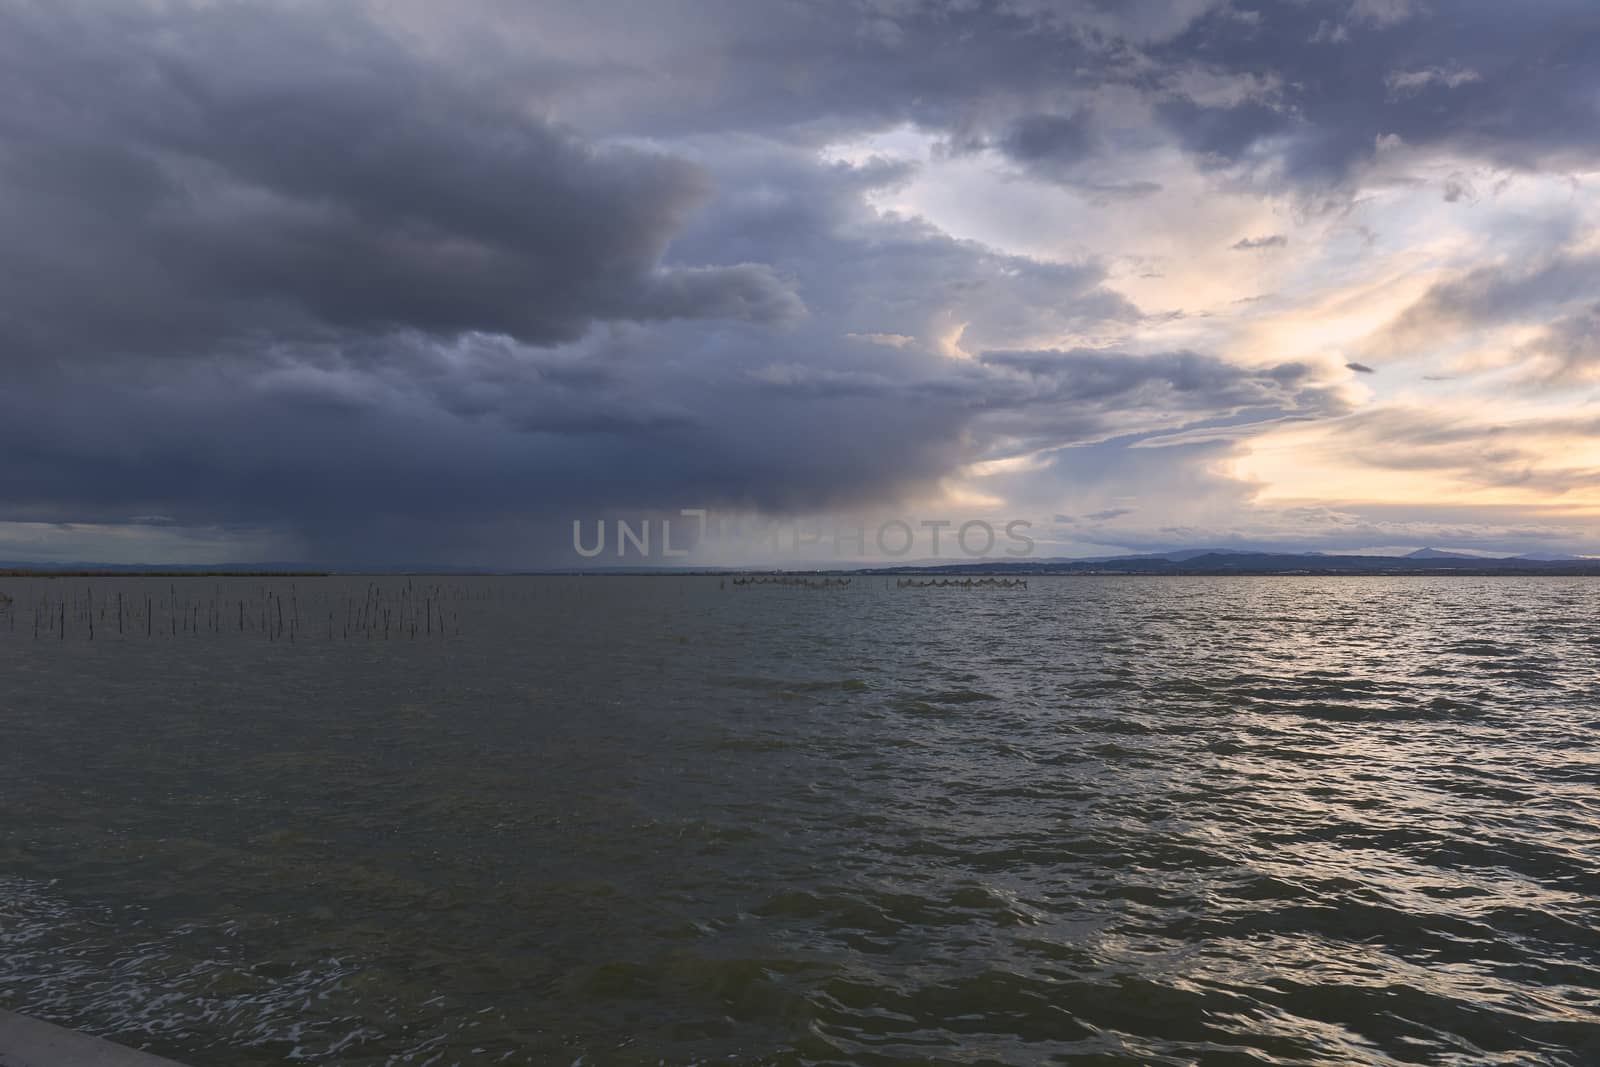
pixel 1232 561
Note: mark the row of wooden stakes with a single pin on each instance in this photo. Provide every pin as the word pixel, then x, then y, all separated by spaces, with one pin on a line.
pixel 964 583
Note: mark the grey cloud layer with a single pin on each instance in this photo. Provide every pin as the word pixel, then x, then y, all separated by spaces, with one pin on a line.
pixel 347 268
pixel 1505 83
pixel 1306 91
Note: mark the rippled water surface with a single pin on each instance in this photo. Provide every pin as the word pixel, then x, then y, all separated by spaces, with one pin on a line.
pixel 667 821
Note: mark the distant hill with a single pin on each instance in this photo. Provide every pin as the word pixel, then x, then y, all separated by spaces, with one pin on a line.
pixel 1264 563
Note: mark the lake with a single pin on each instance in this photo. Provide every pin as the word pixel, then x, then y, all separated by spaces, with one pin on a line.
pixel 630 820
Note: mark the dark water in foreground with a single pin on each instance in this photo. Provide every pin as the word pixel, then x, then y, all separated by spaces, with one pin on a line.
pixel 651 821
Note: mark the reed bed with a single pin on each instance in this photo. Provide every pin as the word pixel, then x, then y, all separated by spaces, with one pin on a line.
pixel 384 611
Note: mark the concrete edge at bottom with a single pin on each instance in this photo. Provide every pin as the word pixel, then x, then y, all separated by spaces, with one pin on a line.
pixel 28 1042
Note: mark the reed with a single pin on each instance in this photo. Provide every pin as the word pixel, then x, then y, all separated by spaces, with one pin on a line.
pixel 400 608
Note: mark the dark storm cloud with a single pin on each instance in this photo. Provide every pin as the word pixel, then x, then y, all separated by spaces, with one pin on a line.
pixel 257 450
pixel 398 421
pixel 180 180
pixel 492 433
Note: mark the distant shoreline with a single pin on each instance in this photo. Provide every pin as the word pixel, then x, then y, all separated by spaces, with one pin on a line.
pixel 954 571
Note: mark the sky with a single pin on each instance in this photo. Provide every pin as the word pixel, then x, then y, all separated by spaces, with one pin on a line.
pixel 393 282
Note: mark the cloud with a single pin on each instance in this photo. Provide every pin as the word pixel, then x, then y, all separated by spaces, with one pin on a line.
pixel 1360 368
pixel 1491 295
pixel 1052 145
pixel 1565 352
pixel 1457 189
pixel 181 179
pixel 1383 12
pixel 1047 399
pixel 1248 244
pixel 1462 452
pixel 1416 80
